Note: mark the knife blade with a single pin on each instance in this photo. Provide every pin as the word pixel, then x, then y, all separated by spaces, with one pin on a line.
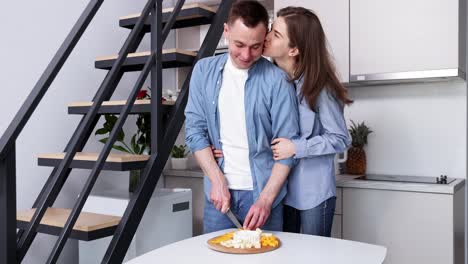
pixel 233 219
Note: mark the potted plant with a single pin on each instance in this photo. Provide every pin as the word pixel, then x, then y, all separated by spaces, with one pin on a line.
pixel 356 162
pixel 140 142
pixel 179 157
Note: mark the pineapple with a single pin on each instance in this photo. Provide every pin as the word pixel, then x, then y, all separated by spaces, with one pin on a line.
pixel 356 162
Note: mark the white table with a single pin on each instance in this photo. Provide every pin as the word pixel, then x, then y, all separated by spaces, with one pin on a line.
pixel 295 248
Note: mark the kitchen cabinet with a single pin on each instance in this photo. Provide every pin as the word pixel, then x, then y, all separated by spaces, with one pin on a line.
pixel 415 227
pixel 191 180
pixel 334 17
pixel 398 39
pixel 338 217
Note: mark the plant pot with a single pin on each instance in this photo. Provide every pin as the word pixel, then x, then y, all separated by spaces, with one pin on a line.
pixel 179 163
pixel 133 180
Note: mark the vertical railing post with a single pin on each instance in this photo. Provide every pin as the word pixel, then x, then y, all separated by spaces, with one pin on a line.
pixel 8 207
pixel 156 77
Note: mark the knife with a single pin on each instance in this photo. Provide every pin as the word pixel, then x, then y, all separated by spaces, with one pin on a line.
pixel 233 219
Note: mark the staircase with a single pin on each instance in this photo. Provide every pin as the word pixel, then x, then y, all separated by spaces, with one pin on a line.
pixel 166 121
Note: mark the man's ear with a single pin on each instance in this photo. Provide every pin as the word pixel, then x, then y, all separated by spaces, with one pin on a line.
pixel 293 52
pixel 226 31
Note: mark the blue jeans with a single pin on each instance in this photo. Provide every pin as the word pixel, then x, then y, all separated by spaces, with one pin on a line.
pixel 241 201
pixel 316 221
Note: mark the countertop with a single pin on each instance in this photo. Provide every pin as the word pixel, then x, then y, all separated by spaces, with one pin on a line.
pixel 350 181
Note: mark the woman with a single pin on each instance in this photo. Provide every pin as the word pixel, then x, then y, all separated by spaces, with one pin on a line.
pixel 297 44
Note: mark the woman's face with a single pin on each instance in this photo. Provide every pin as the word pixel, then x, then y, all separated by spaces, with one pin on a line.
pixel 277 40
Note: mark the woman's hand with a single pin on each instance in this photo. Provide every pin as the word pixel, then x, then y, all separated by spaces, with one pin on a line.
pixel 217 153
pixel 282 148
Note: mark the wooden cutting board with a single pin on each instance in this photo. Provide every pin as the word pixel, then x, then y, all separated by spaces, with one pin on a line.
pixel 220 248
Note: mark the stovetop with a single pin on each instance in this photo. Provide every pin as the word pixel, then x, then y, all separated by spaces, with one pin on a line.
pixel 442 179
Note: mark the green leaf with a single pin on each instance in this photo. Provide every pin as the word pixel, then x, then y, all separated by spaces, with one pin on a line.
pixel 108 118
pixel 179 151
pixel 103 140
pixel 120 148
pixel 137 149
pixel 141 140
pixel 113 119
pixel 139 122
pixel 107 127
pixel 121 135
pixel 132 141
pixel 101 131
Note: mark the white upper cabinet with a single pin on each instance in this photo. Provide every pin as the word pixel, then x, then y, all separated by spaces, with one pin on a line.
pixel 334 16
pixel 409 39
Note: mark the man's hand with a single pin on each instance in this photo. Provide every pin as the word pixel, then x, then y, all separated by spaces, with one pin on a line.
pixel 258 213
pixel 220 196
pixel 219 193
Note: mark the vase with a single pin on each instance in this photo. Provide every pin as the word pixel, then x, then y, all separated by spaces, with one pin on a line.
pixel 179 163
pixel 133 180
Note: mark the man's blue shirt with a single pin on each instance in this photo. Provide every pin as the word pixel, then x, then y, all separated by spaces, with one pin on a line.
pixel 270 112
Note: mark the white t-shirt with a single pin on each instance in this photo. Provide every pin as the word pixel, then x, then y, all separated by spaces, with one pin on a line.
pixel 233 130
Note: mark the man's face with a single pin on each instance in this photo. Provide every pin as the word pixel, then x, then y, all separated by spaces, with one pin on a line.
pixel 245 44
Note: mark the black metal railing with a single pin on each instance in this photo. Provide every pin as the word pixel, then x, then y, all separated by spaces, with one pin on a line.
pixel 13 247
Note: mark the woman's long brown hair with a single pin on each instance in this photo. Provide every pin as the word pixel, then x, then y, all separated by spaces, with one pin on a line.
pixel 314 62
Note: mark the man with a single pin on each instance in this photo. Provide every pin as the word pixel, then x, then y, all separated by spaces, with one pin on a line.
pixel 239 102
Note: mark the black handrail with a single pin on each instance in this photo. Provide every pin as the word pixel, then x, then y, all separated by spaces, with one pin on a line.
pixel 41 87
pixel 139 201
pixel 84 127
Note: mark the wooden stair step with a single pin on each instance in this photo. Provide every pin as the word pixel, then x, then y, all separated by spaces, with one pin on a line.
pixel 190 15
pixel 83 160
pixel 114 107
pixel 171 58
pixel 89 226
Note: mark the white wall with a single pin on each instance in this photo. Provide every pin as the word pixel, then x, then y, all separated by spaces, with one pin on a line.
pixel 419 129
pixel 32 31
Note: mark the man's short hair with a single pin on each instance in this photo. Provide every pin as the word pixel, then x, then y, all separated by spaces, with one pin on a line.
pixel 251 13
